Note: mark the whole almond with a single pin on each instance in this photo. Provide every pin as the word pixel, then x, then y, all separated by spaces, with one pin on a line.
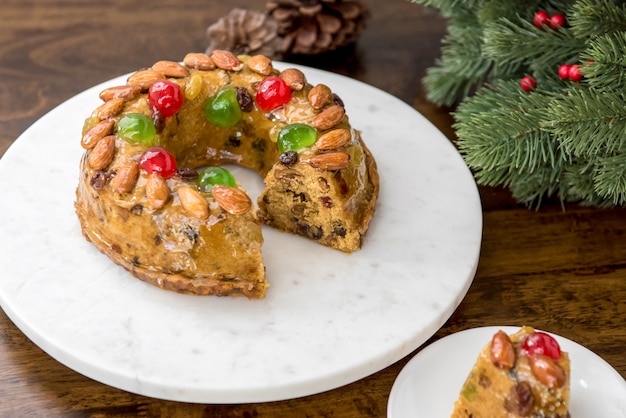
pixel 198 61
pixel 547 371
pixel 294 78
pixel 330 161
pixel 502 351
pixel 109 108
pixel 97 132
pixel 145 78
pixel 226 60
pixel 319 96
pixel 329 117
pixel 157 191
pixel 232 200
pixel 170 69
pixel 193 202
pixel 126 177
pixel 102 154
pixel 260 64
pixel 127 92
pixel 333 139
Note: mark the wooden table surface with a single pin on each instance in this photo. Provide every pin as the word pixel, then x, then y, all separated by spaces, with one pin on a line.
pixel 562 269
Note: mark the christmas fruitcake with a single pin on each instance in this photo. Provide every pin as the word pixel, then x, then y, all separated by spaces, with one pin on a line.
pixel 154 197
pixel 522 375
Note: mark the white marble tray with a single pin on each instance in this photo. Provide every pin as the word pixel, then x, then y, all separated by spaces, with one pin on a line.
pixel 329 318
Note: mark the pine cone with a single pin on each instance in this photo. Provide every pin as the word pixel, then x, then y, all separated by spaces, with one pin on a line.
pixel 246 32
pixel 315 26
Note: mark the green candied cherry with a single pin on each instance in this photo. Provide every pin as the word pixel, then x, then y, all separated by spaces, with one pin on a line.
pixel 223 109
pixel 136 128
pixel 296 137
pixel 212 176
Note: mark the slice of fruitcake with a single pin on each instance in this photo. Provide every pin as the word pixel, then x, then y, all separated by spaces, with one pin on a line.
pixel 522 375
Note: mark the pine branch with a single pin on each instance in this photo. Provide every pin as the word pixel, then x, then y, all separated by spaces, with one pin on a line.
pixel 610 178
pixel 457 73
pixel 519 41
pixel 588 122
pixel 591 18
pixel 606 66
pixel 501 140
pixel 577 180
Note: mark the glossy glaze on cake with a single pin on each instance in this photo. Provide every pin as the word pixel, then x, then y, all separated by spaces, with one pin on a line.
pixel 175 234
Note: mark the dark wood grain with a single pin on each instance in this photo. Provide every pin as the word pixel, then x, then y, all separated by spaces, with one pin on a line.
pixel 559 268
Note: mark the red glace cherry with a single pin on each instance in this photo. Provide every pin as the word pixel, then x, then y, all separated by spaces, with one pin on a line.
pixel 272 93
pixel 165 97
pixel 540 343
pixel 158 160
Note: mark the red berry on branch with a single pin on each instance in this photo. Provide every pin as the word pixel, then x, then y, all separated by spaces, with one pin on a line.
pixel 564 71
pixel 574 73
pixel 557 21
pixel 528 83
pixel 541 19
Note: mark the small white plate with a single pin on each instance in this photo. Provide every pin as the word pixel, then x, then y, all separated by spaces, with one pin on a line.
pixel 429 384
pixel 328 318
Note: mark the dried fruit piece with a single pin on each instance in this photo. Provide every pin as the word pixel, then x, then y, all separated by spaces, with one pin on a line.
pixel 165 97
pixel 232 200
pixel 260 64
pixel 294 78
pixel 288 158
pixel 126 177
pixel 295 137
pixel 333 139
pixel 272 92
pixel 158 160
pixel 520 400
pixel 245 100
pixel 540 343
pixel 193 87
pixel 329 117
pixel 102 154
pixel 212 176
pixel 193 202
pixel 170 69
pixel 226 60
pixel 136 128
pixel 97 132
pixel 319 96
pixel 502 351
pixel 330 161
pixel 223 109
pixel 547 371
pixel 157 191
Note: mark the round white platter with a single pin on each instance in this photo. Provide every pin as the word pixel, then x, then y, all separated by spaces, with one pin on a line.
pixel 430 382
pixel 329 318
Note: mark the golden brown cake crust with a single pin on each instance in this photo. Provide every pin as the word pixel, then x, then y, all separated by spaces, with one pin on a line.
pixel 180 237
